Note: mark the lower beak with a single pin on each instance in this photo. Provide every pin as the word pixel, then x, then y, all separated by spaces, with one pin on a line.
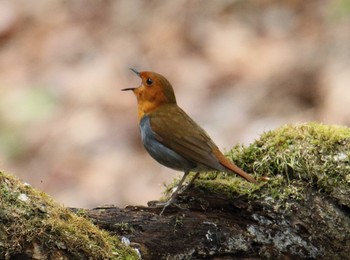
pixel 125 89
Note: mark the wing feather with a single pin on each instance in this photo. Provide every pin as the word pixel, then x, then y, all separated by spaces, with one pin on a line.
pixel 176 130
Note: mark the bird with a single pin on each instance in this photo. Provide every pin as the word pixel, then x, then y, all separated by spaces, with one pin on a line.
pixel 172 137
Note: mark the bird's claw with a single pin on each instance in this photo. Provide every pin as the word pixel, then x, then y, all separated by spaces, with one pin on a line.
pixel 168 203
pixel 164 205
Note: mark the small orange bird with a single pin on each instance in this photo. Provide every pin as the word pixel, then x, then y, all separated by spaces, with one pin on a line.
pixel 171 137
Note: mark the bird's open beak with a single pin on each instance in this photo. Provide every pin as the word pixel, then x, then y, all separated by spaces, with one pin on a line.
pixel 138 74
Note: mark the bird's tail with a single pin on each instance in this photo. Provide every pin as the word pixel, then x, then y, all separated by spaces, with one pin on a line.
pixel 232 167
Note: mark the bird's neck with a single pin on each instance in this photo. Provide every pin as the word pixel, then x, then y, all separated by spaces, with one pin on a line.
pixel 147 108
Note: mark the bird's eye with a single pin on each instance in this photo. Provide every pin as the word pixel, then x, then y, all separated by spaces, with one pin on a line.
pixel 149 81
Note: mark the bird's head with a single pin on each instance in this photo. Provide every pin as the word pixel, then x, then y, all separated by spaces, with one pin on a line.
pixel 154 91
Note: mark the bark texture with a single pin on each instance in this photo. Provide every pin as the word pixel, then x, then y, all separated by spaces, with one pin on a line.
pixel 211 226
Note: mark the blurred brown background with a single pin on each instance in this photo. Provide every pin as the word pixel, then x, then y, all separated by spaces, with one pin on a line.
pixel 238 68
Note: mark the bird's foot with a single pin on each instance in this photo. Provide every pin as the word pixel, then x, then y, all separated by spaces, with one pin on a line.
pixel 164 205
pixel 179 189
pixel 168 203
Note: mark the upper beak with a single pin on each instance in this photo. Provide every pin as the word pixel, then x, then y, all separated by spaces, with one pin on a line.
pixel 137 73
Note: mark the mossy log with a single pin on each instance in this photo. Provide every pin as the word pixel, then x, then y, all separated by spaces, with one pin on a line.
pixel 215 227
pixel 33 226
pixel 299 210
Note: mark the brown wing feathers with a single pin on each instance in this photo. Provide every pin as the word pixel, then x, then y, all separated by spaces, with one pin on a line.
pixel 191 141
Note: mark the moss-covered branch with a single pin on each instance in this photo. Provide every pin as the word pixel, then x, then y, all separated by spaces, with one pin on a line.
pixel 300 209
pixel 287 160
pixel 33 226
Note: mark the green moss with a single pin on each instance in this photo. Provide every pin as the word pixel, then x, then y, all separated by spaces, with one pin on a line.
pixel 288 159
pixel 33 224
pixel 123 228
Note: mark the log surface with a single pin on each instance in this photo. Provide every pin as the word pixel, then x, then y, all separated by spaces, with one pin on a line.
pixel 208 225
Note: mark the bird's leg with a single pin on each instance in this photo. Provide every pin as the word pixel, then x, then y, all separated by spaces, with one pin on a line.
pixel 191 181
pixel 178 188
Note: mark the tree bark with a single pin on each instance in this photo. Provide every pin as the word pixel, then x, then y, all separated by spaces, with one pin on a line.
pixel 205 225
